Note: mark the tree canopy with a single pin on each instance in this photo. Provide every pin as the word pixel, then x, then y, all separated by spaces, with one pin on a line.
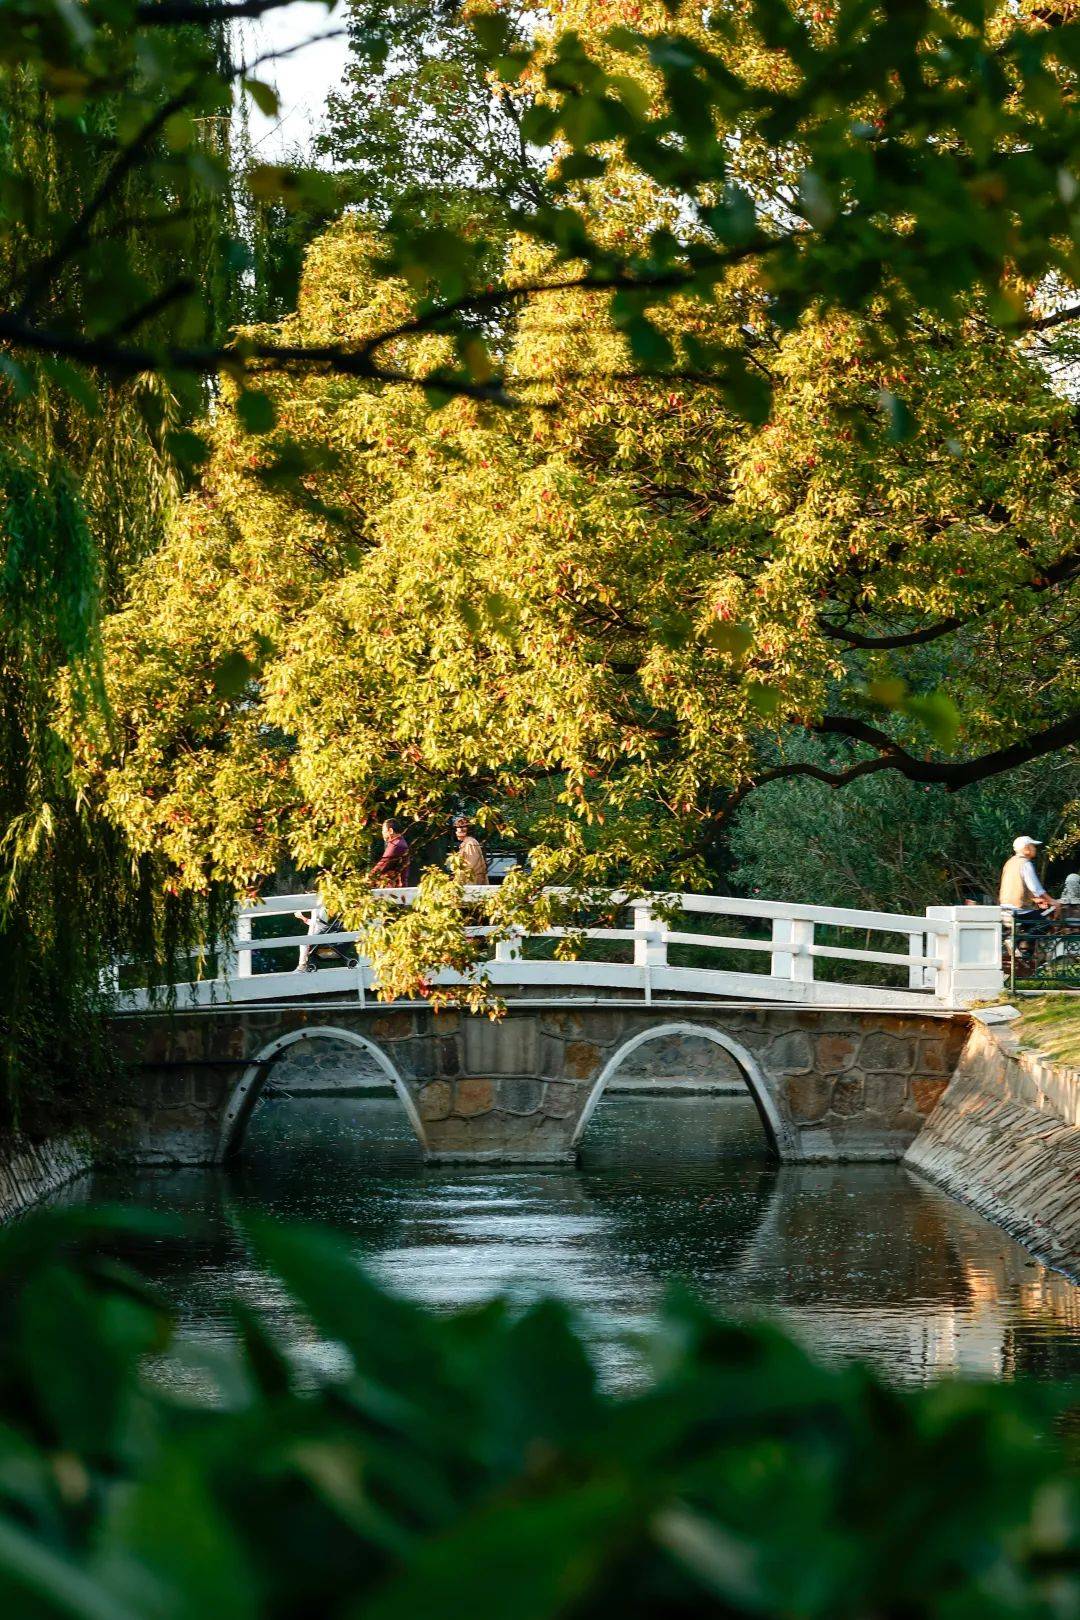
pixel 604 624
pixel 682 396
pixel 852 153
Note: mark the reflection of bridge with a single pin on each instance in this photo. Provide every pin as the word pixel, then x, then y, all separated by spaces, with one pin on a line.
pixel 950 957
pixel 838 1070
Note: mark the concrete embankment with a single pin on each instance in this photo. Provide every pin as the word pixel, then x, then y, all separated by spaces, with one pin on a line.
pixel 1005 1138
pixel 31 1171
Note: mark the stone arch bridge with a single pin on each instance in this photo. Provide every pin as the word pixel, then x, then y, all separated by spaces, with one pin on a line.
pixel 829 1083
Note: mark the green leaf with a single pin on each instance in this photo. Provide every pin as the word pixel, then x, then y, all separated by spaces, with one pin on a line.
pixel 728 637
pixel 765 699
pixel 898 418
pixel 940 716
pixel 887 691
pixel 626 39
pixel 170 1528
pixel 180 130
pixel 539 124
pixel 231 674
pixel 264 96
pixel 87 1397
pixel 292 460
pixel 747 392
pixel 723 1563
pixel 520 1560
pixel 581 166
pixel 188 449
pixel 494 31
pixel 816 201
pixel 674 630
pixel 295 188
pixel 256 410
pixel 55 1587
pixel 648 343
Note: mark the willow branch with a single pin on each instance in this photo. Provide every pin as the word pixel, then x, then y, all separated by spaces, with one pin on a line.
pixel 78 234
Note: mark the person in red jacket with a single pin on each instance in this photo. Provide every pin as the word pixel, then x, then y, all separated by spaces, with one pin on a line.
pixel 391 871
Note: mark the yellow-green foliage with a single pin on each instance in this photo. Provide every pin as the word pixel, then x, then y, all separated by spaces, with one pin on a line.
pixel 591 619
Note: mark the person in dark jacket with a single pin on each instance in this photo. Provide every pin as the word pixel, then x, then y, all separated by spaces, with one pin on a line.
pixel 391 871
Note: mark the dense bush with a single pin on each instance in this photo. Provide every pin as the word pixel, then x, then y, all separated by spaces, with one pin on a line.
pixel 470 1466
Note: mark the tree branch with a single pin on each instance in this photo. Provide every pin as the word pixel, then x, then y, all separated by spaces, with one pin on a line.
pixel 480 303
pixel 951 775
pixel 171 13
pixel 908 638
pixel 126 360
pixel 1059 572
pixel 1043 323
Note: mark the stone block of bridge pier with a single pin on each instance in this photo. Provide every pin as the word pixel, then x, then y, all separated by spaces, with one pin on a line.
pixel 830 1084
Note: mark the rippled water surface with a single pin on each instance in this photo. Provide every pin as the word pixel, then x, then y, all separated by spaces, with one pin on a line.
pixel 857 1260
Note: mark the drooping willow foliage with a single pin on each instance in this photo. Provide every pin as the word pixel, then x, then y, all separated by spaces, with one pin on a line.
pixel 86 488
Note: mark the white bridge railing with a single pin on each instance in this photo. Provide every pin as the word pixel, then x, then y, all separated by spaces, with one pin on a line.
pixel 949 957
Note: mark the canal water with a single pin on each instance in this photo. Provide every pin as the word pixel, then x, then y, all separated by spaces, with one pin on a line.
pixel 866 1261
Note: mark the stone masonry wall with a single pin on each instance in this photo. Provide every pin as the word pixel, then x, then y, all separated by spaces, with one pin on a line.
pixel 30 1171
pixel 687 1061
pixel 1005 1138
pixel 836 1084
pixel 328 1066
pixel 842 1085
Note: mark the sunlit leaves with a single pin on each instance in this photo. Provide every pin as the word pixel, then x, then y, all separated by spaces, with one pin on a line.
pixel 869 177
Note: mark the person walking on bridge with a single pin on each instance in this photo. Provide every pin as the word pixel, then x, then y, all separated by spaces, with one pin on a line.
pixel 391 870
pixel 469 860
pixel 1021 887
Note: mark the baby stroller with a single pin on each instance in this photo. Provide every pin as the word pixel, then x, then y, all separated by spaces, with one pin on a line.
pixel 332 955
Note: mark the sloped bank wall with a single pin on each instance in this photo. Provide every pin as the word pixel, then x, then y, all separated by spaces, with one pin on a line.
pixel 30 1171
pixel 1005 1138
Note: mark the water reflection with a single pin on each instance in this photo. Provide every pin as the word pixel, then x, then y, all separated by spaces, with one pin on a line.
pixel 859 1260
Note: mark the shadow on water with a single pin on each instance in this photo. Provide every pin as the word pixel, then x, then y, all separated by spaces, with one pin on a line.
pixel 857 1260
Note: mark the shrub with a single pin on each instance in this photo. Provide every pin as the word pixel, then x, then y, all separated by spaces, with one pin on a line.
pixel 470 1467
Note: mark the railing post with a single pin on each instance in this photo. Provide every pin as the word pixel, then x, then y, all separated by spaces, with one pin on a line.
pixel 244 959
pixel 968 954
pixel 650 949
pixel 509 949
pixel 787 960
pixel 918 972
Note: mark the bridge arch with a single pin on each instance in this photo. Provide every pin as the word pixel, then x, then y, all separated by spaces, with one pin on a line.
pixel 778 1129
pixel 245 1094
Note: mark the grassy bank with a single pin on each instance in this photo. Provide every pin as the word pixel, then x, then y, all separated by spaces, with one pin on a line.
pixel 1051 1024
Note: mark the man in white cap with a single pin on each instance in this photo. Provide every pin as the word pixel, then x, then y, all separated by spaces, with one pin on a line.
pixel 1021 887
